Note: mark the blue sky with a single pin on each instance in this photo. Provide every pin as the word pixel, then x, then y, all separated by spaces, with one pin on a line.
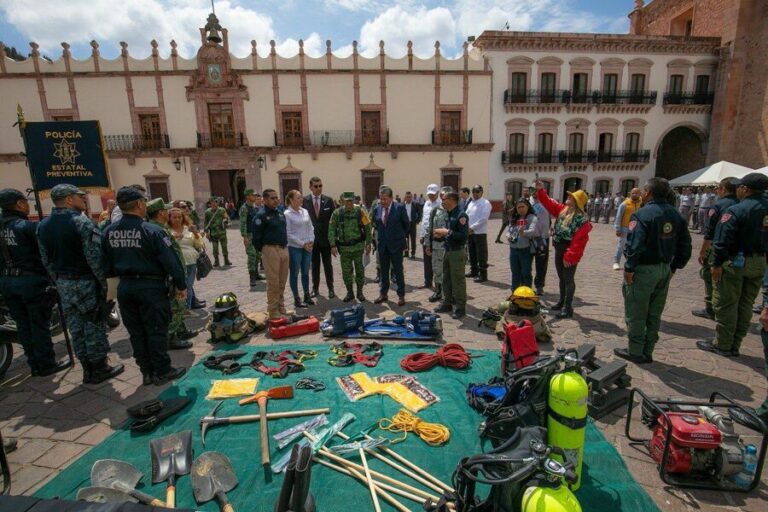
pixel 48 22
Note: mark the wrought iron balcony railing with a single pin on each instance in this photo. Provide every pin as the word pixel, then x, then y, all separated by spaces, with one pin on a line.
pixel 332 137
pixel 624 97
pixel 136 142
pixel 529 157
pixel 689 98
pixel 534 96
pixel 208 140
pixel 451 137
pixel 624 156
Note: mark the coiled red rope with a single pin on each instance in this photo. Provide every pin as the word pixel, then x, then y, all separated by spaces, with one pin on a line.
pixel 451 355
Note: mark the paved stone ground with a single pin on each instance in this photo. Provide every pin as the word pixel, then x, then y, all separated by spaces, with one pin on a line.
pixel 56 419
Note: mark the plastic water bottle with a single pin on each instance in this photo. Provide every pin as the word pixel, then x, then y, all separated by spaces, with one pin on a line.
pixel 744 478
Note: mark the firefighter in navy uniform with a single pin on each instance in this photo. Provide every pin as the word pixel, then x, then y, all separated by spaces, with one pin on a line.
pixel 658 244
pixel 70 248
pixel 142 256
pixel 455 238
pixel 726 191
pixel 25 285
pixel 738 263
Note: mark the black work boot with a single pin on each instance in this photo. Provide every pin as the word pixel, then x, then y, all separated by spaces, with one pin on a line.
pixel 216 261
pixel 227 262
pixel 56 367
pixel 444 308
pixel 360 295
pixel 349 296
pixel 101 371
pixel 87 372
pixel 146 378
pixel 257 276
pixel 308 300
pixel 252 276
pixel 438 295
pixel 168 376
pixel 174 343
pixel 331 293
pixel 482 276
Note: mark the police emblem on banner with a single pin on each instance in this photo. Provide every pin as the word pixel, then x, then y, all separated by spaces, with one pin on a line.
pixel 67 152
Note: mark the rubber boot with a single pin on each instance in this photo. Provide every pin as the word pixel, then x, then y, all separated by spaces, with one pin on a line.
pixel 284 498
pixel 349 296
pixel 87 372
pixel 360 295
pixel 101 371
pixel 438 295
pixel 302 500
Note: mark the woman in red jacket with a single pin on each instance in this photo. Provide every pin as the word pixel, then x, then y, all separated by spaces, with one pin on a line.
pixel 571 234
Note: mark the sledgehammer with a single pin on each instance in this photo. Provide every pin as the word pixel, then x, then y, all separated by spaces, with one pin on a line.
pixel 278 393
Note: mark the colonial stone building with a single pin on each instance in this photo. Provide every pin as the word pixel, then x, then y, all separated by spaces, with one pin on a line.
pixel 217 124
pixel 592 111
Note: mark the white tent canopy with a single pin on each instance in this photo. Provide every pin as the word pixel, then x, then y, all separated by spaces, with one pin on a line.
pixel 712 174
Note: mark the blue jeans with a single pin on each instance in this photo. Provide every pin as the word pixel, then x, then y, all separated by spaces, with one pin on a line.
pixel 191 273
pixel 620 245
pixel 299 259
pixel 520 261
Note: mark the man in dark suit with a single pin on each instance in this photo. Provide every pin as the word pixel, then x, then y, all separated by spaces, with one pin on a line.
pixel 320 208
pixel 392 225
pixel 413 210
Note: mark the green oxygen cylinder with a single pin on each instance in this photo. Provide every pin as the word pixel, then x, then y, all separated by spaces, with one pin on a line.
pixel 567 417
pixel 559 499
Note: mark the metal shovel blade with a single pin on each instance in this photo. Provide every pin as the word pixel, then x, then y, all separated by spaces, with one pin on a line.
pixel 104 495
pixel 212 474
pixel 116 474
pixel 171 456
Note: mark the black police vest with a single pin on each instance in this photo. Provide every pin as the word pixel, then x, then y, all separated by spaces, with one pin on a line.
pixel 63 245
pixel 130 245
pixel 18 235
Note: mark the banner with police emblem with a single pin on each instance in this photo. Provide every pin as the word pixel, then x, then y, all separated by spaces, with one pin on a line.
pixel 67 152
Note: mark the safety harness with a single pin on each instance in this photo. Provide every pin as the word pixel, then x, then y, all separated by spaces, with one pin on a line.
pixel 347 354
pixel 289 361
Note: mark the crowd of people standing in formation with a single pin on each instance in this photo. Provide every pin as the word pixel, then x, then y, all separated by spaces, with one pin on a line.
pixel 147 243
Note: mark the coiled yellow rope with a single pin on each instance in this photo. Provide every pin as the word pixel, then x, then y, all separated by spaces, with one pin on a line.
pixel 434 434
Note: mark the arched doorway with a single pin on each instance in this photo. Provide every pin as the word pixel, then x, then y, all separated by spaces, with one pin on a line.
pixel 571 185
pixel 680 151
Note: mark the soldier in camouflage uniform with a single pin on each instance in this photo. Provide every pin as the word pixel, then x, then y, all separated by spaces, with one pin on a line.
pixel 438 218
pixel 70 247
pixel 216 221
pixel 349 233
pixel 246 214
pixel 178 333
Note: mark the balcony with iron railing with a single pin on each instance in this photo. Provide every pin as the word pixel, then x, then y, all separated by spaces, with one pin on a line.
pixel 215 140
pixel 348 138
pixel 529 157
pixel 451 137
pixel 136 142
pixel 534 96
pixel 625 156
pixel 689 98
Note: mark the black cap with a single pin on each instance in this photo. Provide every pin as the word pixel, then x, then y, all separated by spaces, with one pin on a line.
pixel 755 181
pixel 127 194
pixel 9 196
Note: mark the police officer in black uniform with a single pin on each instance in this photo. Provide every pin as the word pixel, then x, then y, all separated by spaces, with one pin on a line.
pixel 25 285
pixel 455 239
pixel 726 191
pixel 738 264
pixel 141 255
pixel 658 243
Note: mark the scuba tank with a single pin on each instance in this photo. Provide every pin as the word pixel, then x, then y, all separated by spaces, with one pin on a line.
pixel 567 415
pixel 559 499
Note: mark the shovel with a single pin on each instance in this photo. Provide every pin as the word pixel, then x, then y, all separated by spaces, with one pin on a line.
pixel 261 397
pixel 213 477
pixel 121 476
pixel 171 456
pixel 104 495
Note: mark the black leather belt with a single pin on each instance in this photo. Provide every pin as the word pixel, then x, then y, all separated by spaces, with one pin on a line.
pixel 144 276
pixel 76 277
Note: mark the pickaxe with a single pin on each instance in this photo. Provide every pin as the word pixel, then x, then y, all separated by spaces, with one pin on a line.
pixel 212 420
pixel 278 393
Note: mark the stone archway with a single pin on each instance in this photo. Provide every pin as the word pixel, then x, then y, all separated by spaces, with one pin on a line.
pixel 680 151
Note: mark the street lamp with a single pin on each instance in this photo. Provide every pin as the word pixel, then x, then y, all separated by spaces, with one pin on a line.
pixel 178 163
pixel 262 163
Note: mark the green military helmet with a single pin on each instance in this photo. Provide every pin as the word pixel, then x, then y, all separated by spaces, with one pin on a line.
pixel 225 302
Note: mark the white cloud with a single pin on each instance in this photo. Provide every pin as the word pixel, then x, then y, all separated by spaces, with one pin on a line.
pixel 314 46
pixel 351 5
pixel 397 25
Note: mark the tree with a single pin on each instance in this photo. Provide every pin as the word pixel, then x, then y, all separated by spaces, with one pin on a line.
pixel 12 53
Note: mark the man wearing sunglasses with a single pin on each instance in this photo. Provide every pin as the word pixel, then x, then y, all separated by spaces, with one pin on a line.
pixel 320 208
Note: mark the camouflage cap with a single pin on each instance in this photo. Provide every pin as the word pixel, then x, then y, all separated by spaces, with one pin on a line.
pixel 10 196
pixel 213 198
pixel 348 196
pixel 249 192
pixel 65 190
pixel 156 205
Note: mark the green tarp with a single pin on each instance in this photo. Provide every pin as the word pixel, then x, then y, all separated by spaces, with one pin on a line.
pixel 607 484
